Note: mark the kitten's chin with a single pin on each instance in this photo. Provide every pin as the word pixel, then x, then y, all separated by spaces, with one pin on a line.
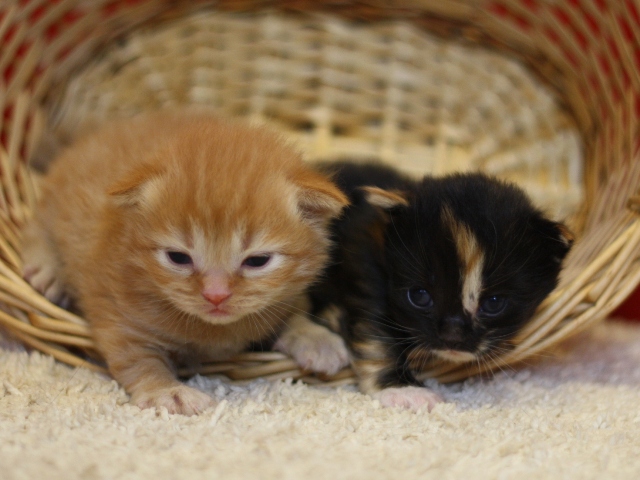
pixel 220 317
pixel 456 356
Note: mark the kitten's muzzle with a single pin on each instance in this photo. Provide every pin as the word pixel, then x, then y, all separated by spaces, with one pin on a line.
pixel 452 331
pixel 218 301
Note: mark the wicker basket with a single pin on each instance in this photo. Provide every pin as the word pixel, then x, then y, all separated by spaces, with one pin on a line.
pixel 349 78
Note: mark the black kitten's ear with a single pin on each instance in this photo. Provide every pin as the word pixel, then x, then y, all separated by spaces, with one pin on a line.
pixel 566 235
pixel 560 238
pixel 386 199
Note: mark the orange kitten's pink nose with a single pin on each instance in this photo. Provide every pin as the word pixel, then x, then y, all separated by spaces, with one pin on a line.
pixel 217 298
pixel 215 288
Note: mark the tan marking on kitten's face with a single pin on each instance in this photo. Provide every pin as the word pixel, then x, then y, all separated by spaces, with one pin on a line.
pixel 386 199
pixel 418 358
pixel 471 258
pixel 456 356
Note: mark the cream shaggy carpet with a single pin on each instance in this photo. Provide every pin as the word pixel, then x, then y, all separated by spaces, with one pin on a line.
pixel 575 415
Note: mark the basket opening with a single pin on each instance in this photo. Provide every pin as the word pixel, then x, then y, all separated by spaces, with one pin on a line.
pixel 350 88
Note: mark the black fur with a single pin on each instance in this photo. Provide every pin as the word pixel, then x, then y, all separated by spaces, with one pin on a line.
pixel 381 254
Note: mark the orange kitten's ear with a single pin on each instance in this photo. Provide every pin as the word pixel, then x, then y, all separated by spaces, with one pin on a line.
pixel 137 186
pixel 386 199
pixel 319 197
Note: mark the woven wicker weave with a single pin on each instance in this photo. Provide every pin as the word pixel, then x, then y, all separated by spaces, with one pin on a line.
pixel 429 85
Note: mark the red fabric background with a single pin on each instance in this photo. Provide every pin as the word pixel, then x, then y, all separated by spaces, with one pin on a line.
pixel 630 309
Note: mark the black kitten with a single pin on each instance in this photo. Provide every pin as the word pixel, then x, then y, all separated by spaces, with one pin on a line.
pixel 449 267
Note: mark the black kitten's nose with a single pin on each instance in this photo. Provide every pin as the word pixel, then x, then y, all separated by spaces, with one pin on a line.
pixel 452 329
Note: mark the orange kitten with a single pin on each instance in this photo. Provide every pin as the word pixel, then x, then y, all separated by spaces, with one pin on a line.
pixel 179 235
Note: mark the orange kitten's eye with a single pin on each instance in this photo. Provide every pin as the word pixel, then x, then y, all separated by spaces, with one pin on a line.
pixel 179 258
pixel 256 261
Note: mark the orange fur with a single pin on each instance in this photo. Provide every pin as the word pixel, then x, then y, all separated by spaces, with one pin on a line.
pixel 118 200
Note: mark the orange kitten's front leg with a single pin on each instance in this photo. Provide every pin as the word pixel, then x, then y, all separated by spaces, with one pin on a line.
pixel 148 375
pixel 313 347
pixel 41 267
pixel 166 392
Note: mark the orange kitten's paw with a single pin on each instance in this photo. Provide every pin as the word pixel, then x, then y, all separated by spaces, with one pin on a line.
pixel 411 398
pixel 314 348
pixel 43 277
pixel 181 399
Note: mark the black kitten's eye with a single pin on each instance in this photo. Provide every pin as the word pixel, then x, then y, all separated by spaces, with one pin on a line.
pixel 256 261
pixel 493 305
pixel 180 258
pixel 419 297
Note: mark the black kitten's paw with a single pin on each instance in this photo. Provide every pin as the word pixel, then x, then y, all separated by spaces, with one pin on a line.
pixel 411 398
